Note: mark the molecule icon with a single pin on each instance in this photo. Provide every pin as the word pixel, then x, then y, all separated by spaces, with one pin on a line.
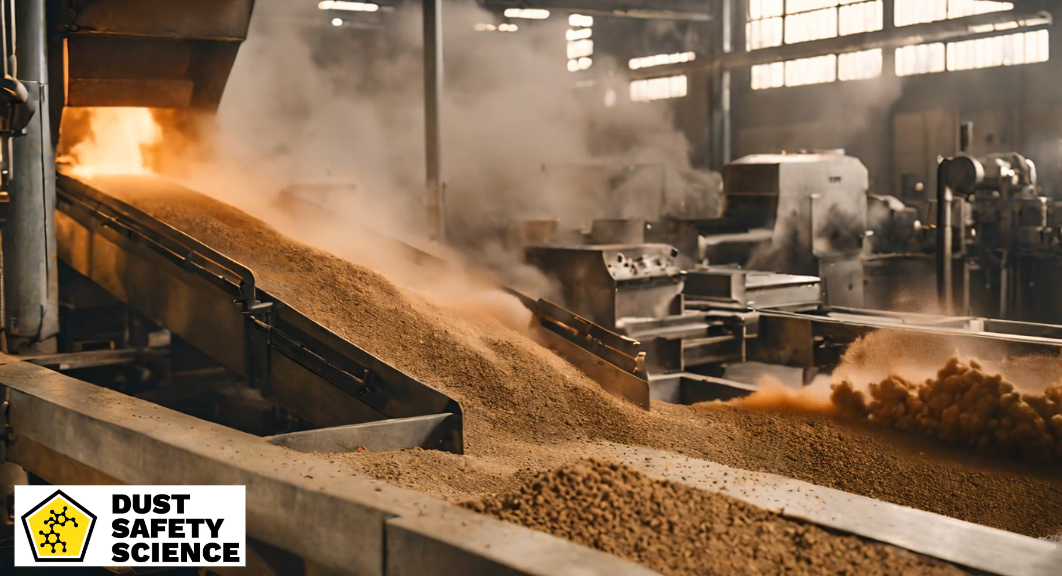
pixel 51 538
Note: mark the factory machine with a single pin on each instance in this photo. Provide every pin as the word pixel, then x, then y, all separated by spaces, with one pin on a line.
pixel 802 262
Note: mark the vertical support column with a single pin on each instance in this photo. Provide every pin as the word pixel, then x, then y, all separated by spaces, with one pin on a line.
pixel 719 98
pixel 31 283
pixel 433 54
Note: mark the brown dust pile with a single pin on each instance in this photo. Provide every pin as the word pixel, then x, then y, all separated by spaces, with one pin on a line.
pixel 681 531
pixel 964 406
pixel 525 409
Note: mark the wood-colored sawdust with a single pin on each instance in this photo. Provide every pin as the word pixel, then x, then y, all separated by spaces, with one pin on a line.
pixel 525 409
pixel 681 531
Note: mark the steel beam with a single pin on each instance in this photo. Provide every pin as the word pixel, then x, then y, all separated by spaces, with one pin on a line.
pixel 70 432
pixel 382 436
pixel 433 80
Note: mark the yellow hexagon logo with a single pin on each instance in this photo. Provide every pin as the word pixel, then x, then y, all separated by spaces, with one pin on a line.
pixel 59 529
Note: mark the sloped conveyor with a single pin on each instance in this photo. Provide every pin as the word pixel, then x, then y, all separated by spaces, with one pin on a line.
pixel 212 302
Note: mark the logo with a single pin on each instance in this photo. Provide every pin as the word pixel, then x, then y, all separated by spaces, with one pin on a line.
pixel 145 526
pixel 59 529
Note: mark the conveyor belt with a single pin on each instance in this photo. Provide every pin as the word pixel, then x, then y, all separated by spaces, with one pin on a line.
pixel 212 302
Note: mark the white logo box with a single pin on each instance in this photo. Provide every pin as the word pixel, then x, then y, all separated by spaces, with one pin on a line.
pixel 130 526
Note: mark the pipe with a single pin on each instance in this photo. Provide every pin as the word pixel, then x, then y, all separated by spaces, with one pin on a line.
pixel 944 199
pixel 965 136
pixel 30 277
pixel 433 52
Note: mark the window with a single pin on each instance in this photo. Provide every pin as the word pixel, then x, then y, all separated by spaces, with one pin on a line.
pixel 580 44
pixel 772 22
pixel 817 70
pixel 1009 50
pixel 528 13
pixel 859 65
pixel 811 26
pixel 921 59
pixel 763 33
pixel 658 88
pixel 910 12
pixel 660 60
pixel 861 17
pixel 768 76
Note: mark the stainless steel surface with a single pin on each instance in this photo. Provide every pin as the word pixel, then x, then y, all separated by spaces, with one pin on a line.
pixel 609 283
pixel 981 548
pixel 818 340
pixel 687 388
pixel 751 289
pixel 383 436
pixel 815 202
pixel 31 282
pixel 296 502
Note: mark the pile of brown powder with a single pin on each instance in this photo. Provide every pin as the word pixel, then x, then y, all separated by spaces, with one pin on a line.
pixel 680 531
pixel 964 406
pixel 524 408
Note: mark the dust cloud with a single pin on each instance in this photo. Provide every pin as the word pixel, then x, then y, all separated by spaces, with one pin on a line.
pixel 336 114
pixel 309 104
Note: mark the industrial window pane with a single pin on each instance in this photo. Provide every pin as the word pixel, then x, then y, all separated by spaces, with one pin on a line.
pixel 768 76
pixel 921 59
pixel 962 8
pixel 859 65
pixel 1037 46
pixel 919 11
pixel 763 33
pixel 658 88
pixel 811 26
pixel 580 48
pixel 818 70
pixel 795 6
pixel 660 60
pixel 861 17
pixel 759 9
pixel 1009 50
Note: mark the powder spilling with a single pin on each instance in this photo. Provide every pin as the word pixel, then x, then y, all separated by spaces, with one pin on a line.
pixel 775 396
pixel 525 408
pixel 681 531
pixel 964 406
